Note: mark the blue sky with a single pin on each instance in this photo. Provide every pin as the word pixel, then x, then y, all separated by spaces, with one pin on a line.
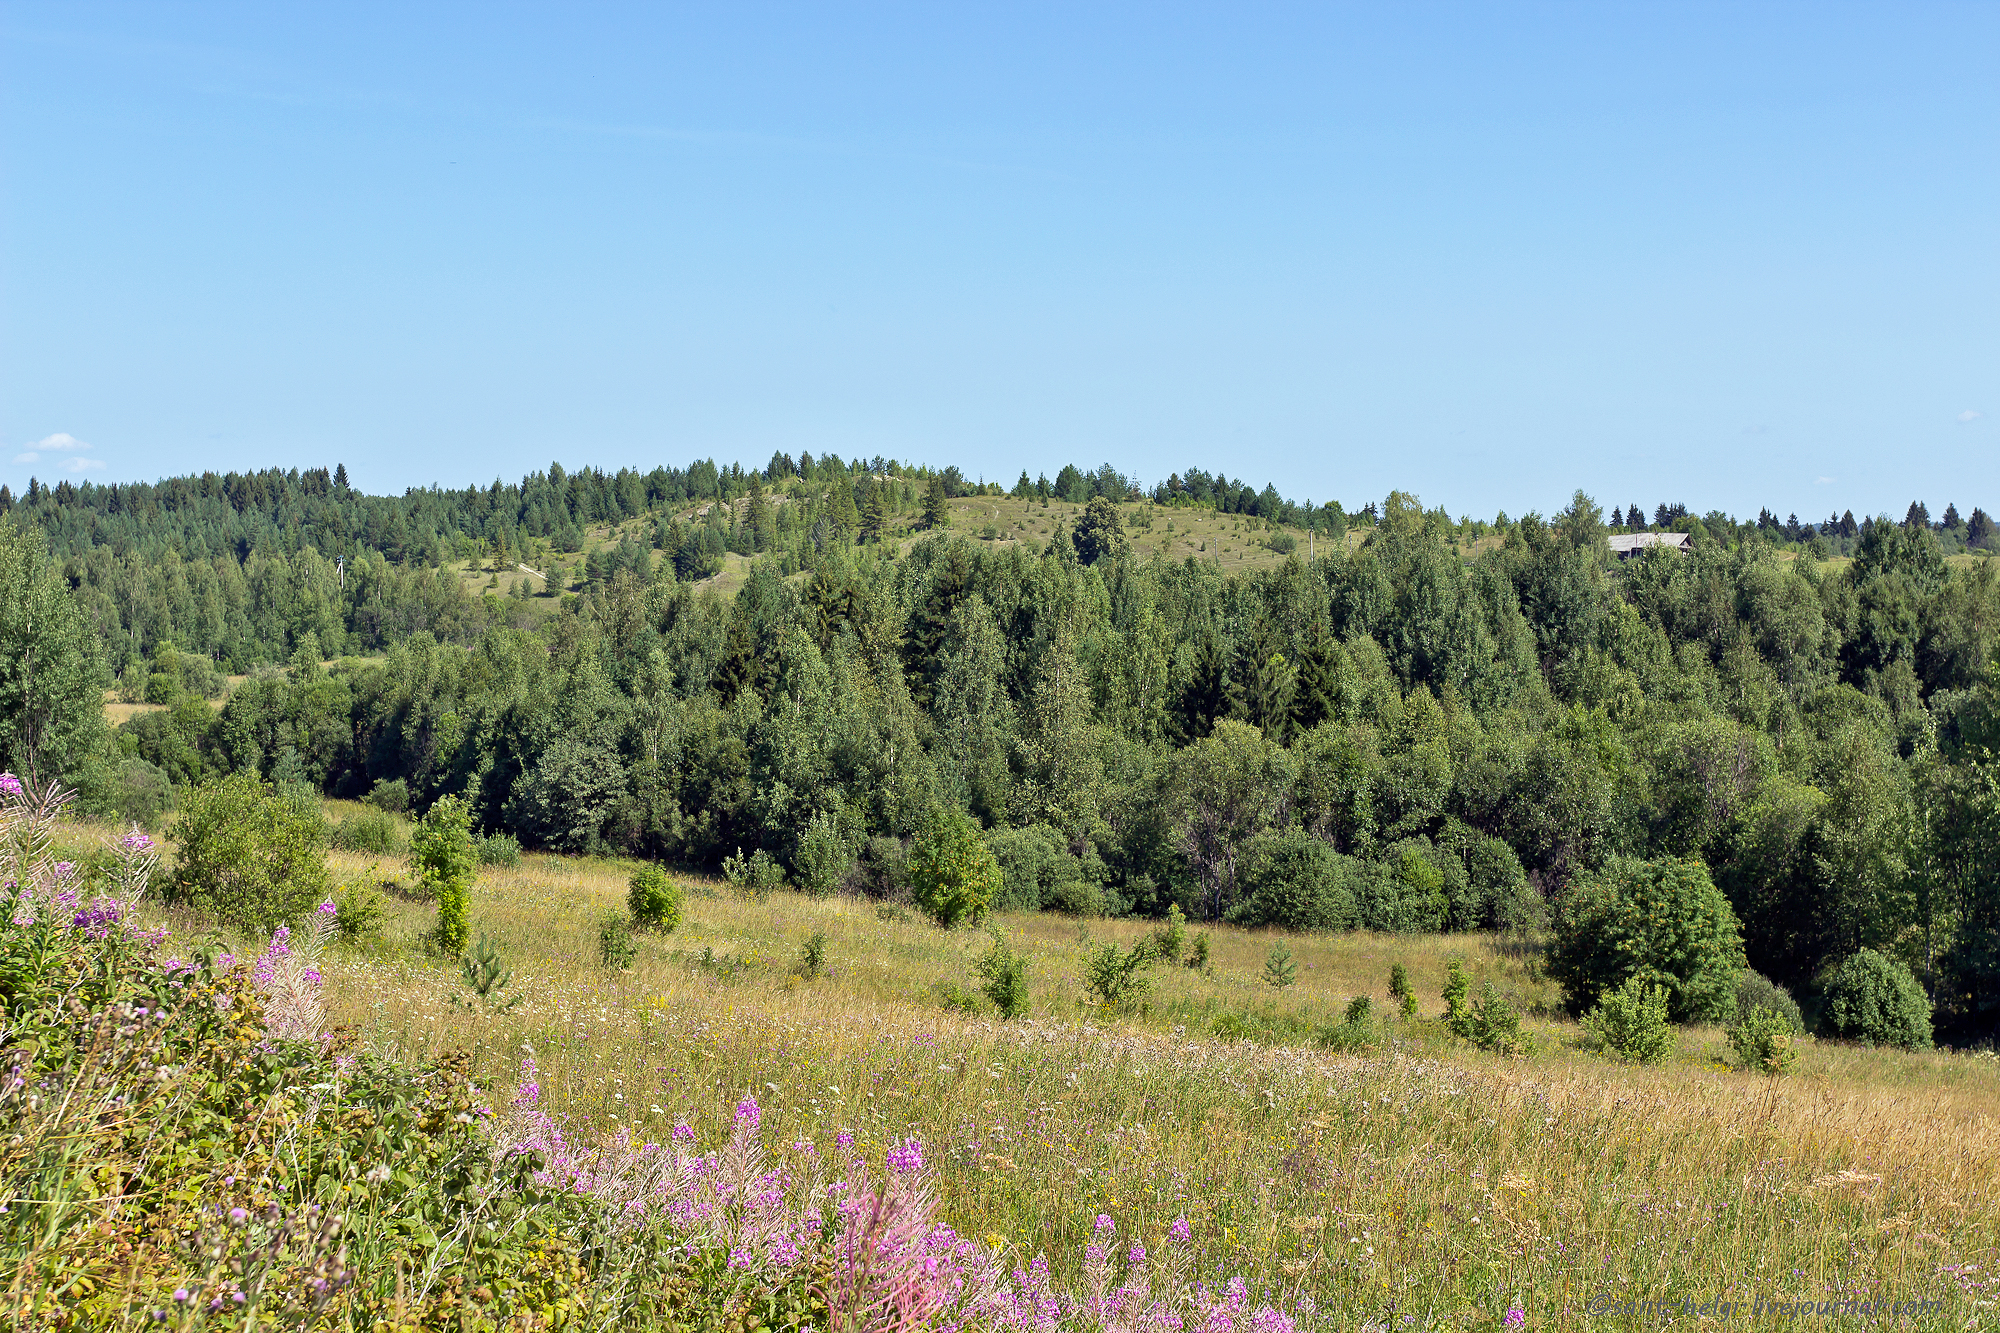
pixel 1730 255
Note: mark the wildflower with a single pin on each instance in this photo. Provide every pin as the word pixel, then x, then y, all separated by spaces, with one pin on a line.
pixel 683 1134
pixel 64 869
pixel 906 1158
pixel 181 1294
pixel 136 843
pixel 748 1116
pixel 1516 1317
pixel 377 1174
pixel 328 909
pixel 1179 1230
pixel 844 1139
pixel 239 1216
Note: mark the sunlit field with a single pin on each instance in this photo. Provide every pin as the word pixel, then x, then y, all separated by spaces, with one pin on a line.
pixel 1419 1182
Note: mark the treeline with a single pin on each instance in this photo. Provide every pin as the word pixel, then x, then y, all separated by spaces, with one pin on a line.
pixel 1399 736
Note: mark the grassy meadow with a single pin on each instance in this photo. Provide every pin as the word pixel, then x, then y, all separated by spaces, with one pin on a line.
pixel 1419 1183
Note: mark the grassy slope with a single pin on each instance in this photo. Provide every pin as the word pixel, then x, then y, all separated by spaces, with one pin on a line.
pixel 1425 1174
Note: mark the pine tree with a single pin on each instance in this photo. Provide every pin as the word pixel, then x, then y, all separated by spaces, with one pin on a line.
pixel 340 475
pixel 1917 517
pixel 1269 680
pixel 1211 693
pixel 1318 696
pixel 1279 969
pixel 1950 519
pixel 937 508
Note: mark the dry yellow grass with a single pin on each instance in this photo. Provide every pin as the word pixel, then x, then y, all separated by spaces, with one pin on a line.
pixel 1422 1178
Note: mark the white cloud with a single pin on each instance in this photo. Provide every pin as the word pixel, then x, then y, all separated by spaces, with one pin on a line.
pixel 84 464
pixel 1969 415
pixel 30 457
pixel 1823 481
pixel 61 442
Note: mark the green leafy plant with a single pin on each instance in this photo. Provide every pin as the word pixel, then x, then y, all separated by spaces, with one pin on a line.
pixel 1003 976
pixel 653 900
pixel 254 857
pixel 824 855
pixel 956 997
pixel 441 856
pixel 1399 990
pixel 1754 990
pixel 1631 1022
pixel 756 874
pixel 1197 957
pixel 812 956
pixel 1118 980
pixel 1495 1025
pixel 497 849
pixel 1169 940
pixel 1457 1013
pixel 1664 922
pixel 370 831
pixel 952 874
pixel 360 909
pixel 486 974
pixel 615 945
pixel 1764 1040
pixel 1871 997
pixel 1279 969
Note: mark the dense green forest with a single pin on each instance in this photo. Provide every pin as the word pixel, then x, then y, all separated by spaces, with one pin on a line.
pixel 1433 723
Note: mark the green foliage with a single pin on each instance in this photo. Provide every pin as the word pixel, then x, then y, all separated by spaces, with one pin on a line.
pixel 390 794
pixel 812 956
pixel 51 681
pixel 1457 1013
pixel 1003 976
pixel 441 857
pixel 1357 1029
pixel 250 856
pixel 497 849
pixel 1764 1040
pixel 1197 957
pixel 1100 532
pixel 1494 1024
pixel 1169 940
pixel 653 900
pixel 360 910
pixel 1279 969
pixel 824 855
pixel 952 874
pixel 1399 990
pixel 1631 1022
pixel 1038 872
pixel 756 874
pixel 1118 980
pixel 1291 879
pixel 956 998
pixel 370 831
pixel 615 946
pixel 1663 922
pixel 1871 997
pixel 486 974
pixel 1754 990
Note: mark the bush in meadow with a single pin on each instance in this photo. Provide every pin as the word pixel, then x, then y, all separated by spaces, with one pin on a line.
pixel 1400 992
pixel 1871 997
pixel 391 795
pixel 497 849
pixel 1662 921
pixel 441 855
pixel 952 874
pixel 1631 1022
pixel 1003 977
pixel 1495 1024
pixel 824 855
pixel 1291 879
pixel 253 857
pixel 370 831
pixel 1118 980
pixel 615 946
pixel 1754 990
pixel 360 910
pixel 653 899
pixel 1764 1040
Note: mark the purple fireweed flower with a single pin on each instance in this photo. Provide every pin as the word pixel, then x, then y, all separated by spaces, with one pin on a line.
pixel 906 1158
pixel 1179 1230
pixel 9 785
pixel 683 1134
pixel 328 909
pixel 748 1116
pixel 136 843
pixel 1516 1317
pixel 1104 1224
pixel 1137 1255
pixel 844 1139
pixel 1267 1320
pixel 64 869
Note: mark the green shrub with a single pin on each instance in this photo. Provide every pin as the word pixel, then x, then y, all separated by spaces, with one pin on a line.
pixel 1003 976
pixel 1754 990
pixel 1197 958
pixel 824 856
pixel 497 849
pixel 615 946
pixel 1399 990
pixel 391 795
pixel 812 956
pixel 1664 922
pixel 1039 873
pixel 956 997
pixel 360 909
pixel 251 856
pixel 1169 940
pixel 1765 1040
pixel 441 856
pixel 1404 894
pixel 1118 980
pixel 1631 1022
pixel 1873 998
pixel 1294 880
pixel 1357 1031
pixel 654 900
pixel 370 831
pixel 1076 897
pixel 952 874
pixel 756 874
pixel 1457 1013
pixel 1495 1024
pixel 1279 969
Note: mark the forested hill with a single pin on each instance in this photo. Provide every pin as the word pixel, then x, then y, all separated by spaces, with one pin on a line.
pixel 1146 698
